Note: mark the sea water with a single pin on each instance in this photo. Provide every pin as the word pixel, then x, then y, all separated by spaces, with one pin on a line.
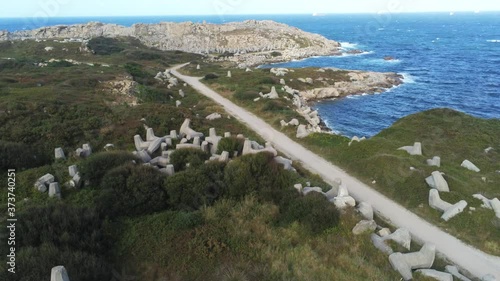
pixel 447 60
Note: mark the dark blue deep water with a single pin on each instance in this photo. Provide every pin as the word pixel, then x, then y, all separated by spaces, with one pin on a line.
pixel 448 61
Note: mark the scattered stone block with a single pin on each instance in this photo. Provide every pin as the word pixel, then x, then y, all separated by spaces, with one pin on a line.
pixel 227 134
pixel 214 140
pixel 364 226
pixel 416 149
pixel 198 67
pixel 302 132
pixel 404 263
pixel 143 155
pixel 248 70
pixel 453 270
pixel 205 146
pixel 72 170
pixel 380 244
pixel 470 166
pixel 140 144
pixel 187 146
pixel 42 183
pixel 229 75
pixel 197 141
pixel 182 94
pixel 307 190
pixel 224 157
pixel 178 103
pixel 248 149
pixel 273 94
pixel 54 190
pixel 213 116
pixel 59 153
pixel 384 232
pixel 282 81
pixel 437 181
pixel 449 210
pixel 366 210
pixel 435 161
pixel 437 275
pixel 495 205
pixel 298 187
pixel 109 146
pixel 487 150
pixel 154 146
pixel 59 273
pixel 76 181
pixel 170 170
pixel 401 236
pixel 287 163
pixel 173 135
pixel 188 132
pixel 294 122
pixel 283 123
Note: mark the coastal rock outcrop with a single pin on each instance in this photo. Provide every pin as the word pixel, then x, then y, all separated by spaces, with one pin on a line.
pixel 240 39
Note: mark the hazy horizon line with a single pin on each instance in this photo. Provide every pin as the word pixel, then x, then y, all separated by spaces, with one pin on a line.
pixel 266 14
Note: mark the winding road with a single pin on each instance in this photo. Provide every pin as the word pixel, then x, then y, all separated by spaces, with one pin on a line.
pixel 468 258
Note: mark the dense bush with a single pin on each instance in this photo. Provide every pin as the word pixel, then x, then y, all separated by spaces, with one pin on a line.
pixel 61 63
pixel 230 145
pixel 97 165
pixel 104 46
pixel 267 80
pixel 258 174
pixel 194 157
pixel 273 106
pixel 313 210
pixel 34 264
pixel 276 54
pixel 148 94
pixel 211 76
pixel 245 95
pixel 143 55
pixel 133 190
pixel 21 156
pixel 194 188
pixel 64 226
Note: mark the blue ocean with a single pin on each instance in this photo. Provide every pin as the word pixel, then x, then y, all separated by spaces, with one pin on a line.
pixel 448 60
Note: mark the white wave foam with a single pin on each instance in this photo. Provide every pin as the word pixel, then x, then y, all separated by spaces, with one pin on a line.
pixel 408 78
pixel 358 54
pixel 493 41
pixel 348 45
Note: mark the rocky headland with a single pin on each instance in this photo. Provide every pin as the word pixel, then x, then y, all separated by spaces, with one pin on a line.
pixel 246 43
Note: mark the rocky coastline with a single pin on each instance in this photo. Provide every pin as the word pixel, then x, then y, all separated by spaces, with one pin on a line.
pixel 247 43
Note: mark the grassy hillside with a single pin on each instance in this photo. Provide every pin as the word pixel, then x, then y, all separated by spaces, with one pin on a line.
pixel 240 221
pixel 452 135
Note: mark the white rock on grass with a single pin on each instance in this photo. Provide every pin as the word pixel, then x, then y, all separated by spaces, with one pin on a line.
pixel 405 263
pixel 187 131
pixel 366 210
pixel 178 103
pixel 287 163
pixel 437 275
pixel 380 244
pixel 59 273
pixel 248 149
pixel 437 181
pixel 307 190
pixel 364 226
pixel 401 236
pixel 416 149
pixel 435 161
pixel 59 153
pixel 140 144
pixel 72 170
pixel 449 210
pixel 229 75
pixel 453 270
pixel 294 122
pixel 302 132
pixel 470 166
pixel 283 123
pixel 213 116
pixel 54 190
pixel 343 200
pixel 273 94
pixel 42 183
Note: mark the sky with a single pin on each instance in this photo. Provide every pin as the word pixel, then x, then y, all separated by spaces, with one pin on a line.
pixel 65 8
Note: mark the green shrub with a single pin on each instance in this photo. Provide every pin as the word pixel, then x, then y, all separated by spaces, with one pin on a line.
pixel 245 95
pixel 270 106
pixel 267 80
pixel 312 210
pixel 230 145
pixel 276 54
pixel 144 55
pixel 97 165
pixel 21 156
pixel 148 94
pixel 64 226
pixel 258 174
pixel 194 188
pixel 104 46
pixel 134 190
pixel 35 263
pixel 194 157
pixel 211 76
pixel 61 63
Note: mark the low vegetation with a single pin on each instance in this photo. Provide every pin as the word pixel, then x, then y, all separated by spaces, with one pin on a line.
pixel 210 221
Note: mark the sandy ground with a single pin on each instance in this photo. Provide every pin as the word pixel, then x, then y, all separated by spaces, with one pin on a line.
pixel 464 256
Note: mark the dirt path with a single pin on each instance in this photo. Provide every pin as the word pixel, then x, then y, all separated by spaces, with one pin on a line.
pixel 473 260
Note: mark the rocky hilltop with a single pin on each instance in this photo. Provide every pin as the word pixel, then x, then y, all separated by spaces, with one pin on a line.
pixel 247 43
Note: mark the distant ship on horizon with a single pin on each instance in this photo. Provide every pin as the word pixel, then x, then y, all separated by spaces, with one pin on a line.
pixel 318 14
